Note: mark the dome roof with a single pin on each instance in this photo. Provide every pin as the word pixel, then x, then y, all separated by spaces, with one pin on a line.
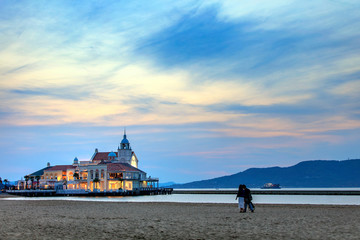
pixel 76 159
pixel 112 154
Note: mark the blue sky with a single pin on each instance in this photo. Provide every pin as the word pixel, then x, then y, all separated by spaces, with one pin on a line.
pixel 204 88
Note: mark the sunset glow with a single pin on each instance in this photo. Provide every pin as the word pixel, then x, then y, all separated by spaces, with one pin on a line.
pixel 242 83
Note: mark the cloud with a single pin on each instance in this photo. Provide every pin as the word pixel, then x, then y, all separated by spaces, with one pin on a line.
pixel 202 79
pixel 348 89
pixel 243 42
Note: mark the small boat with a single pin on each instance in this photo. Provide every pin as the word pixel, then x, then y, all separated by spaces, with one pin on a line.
pixel 271 186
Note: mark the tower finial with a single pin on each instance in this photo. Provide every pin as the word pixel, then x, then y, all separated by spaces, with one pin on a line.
pixel 125 143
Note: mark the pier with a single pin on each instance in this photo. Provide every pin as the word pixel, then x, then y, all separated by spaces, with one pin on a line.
pixel 164 191
pixel 268 192
pixel 69 192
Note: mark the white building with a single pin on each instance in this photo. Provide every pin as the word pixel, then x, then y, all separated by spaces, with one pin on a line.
pixel 105 171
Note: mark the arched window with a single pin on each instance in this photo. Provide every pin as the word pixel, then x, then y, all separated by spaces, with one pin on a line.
pixel 97 173
pixel 102 173
pixel 91 174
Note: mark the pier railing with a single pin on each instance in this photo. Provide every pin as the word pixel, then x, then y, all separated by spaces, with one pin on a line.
pixel 72 191
pixel 32 193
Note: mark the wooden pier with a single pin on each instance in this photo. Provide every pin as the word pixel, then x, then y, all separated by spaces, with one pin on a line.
pixel 32 193
pixel 69 192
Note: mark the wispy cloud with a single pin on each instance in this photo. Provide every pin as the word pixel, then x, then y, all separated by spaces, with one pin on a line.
pixel 265 77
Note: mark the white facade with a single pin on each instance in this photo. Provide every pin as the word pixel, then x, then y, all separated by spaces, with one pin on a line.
pixel 106 171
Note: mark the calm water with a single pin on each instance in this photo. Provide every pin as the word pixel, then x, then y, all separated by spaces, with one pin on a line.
pixel 221 198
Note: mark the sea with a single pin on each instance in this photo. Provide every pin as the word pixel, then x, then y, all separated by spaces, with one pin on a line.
pixel 221 198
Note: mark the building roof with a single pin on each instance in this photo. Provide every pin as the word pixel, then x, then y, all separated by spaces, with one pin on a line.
pixel 39 172
pixel 121 167
pixel 102 156
pixel 61 168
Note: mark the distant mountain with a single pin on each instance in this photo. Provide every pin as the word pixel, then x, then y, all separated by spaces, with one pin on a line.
pixel 317 173
pixel 166 184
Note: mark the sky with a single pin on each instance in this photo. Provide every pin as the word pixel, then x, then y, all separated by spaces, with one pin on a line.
pixel 203 88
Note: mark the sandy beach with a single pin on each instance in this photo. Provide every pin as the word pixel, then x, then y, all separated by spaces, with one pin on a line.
pixel 103 220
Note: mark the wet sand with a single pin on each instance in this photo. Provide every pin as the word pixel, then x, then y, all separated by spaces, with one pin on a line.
pixel 105 220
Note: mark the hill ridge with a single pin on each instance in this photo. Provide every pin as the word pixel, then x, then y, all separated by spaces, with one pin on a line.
pixel 310 173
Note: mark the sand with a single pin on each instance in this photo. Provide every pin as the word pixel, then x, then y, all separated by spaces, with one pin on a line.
pixel 21 219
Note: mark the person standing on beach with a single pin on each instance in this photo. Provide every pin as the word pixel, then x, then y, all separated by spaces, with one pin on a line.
pixel 241 195
pixel 247 199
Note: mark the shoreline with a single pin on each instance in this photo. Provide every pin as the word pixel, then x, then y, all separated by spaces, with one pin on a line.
pixel 199 199
pixel 9 197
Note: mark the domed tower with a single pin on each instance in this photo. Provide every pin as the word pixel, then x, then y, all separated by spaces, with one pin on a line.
pixel 76 161
pixel 125 143
pixel 124 150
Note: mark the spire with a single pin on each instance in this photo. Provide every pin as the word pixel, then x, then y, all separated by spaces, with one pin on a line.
pixel 125 143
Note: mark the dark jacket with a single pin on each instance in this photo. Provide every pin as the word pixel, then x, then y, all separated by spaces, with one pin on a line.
pixel 241 193
pixel 247 197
